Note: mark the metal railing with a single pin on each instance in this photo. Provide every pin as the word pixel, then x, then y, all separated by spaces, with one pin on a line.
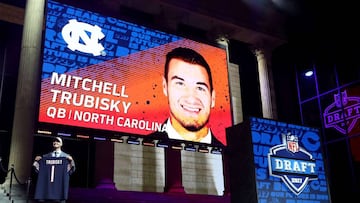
pixel 13 176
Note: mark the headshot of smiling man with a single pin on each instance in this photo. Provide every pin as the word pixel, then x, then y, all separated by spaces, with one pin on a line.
pixel 188 85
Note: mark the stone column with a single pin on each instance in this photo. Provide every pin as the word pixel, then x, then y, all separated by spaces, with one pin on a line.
pixel 267 91
pixel 234 84
pixel 27 91
pixel 235 92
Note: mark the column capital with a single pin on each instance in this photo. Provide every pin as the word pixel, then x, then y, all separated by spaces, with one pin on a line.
pixel 223 40
pixel 264 45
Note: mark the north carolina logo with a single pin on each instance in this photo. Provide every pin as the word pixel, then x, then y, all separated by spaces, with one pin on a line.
pixel 76 36
pixel 343 114
pixel 292 164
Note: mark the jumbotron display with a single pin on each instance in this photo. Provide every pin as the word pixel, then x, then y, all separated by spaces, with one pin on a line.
pixel 103 73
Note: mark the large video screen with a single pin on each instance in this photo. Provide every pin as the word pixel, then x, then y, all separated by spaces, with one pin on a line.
pixel 99 72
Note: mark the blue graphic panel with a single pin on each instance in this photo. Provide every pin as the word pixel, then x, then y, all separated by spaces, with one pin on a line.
pixel 93 37
pixel 288 162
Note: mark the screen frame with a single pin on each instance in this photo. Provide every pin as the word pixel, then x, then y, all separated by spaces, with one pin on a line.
pixel 58 127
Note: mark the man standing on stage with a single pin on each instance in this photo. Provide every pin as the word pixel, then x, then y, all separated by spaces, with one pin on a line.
pixel 54 170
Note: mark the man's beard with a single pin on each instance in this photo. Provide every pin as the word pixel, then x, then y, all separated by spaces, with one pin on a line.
pixel 192 128
pixel 194 125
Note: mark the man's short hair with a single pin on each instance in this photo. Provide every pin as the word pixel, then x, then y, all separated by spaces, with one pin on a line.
pixel 190 56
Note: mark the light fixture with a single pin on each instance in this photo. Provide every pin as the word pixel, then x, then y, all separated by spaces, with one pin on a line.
pixel 46 132
pixel 216 150
pixel 119 140
pixel 148 142
pixel 64 134
pixel 83 136
pixel 190 147
pixel 162 143
pixel 133 140
pixel 176 145
pixel 203 149
pixel 100 138
pixel 309 73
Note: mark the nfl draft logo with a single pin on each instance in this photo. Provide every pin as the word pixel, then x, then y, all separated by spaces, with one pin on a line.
pixel 292 164
pixel 292 143
pixel 343 114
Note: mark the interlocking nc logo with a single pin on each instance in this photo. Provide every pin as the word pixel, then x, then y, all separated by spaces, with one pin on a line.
pixel 75 35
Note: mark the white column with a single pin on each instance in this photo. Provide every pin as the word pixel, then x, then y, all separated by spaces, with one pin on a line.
pixel 27 91
pixel 234 84
pixel 236 104
pixel 267 92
